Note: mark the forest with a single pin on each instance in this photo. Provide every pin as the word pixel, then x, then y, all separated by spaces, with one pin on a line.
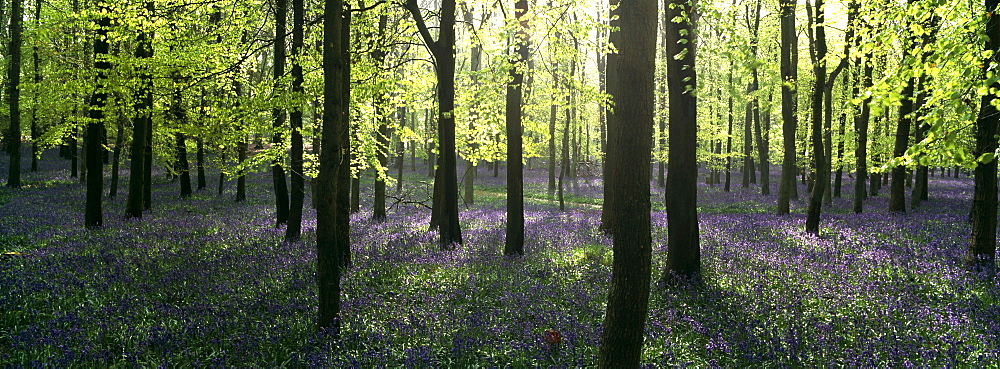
pixel 489 183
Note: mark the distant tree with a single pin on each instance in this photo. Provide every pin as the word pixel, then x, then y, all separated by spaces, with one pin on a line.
pixel 14 96
pixel 631 128
pixel 94 213
pixel 983 246
pixel 514 244
pixel 382 135
pixel 861 125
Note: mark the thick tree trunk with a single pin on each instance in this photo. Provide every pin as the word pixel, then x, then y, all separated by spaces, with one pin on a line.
pixel 514 243
pixel 983 245
pixel 94 213
pixel 819 151
pixel 443 50
pixel 629 184
pixel 144 102
pixel 332 231
pixel 788 115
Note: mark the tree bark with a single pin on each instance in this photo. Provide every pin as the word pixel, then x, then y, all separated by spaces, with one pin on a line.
pixel 788 115
pixel 144 102
pixel 983 246
pixel 629 184
pixel 332 231
pixel 281 201
pixel 514 243
pixel 443 51
pixel 14 96
pixel 822 172
pixel 94 213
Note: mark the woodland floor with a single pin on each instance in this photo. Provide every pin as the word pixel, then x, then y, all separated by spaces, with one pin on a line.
pixel 208 282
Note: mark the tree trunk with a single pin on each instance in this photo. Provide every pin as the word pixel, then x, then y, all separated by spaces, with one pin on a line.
pixel 94 213
pixel 611 78
pixel 628 298
pixel 200 156
pixel 116 159
pixel 281 201
pixel 897 200
pixel 819 152
pixel 332 224
pixel 983 245
pixel 443 50
pixel 514 243
pixel 144 102
pixel 788 114
pixel 182 164
pixel 14 96
pixel 35 128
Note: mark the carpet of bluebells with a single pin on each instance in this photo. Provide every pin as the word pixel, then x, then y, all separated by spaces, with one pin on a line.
pixel 206 281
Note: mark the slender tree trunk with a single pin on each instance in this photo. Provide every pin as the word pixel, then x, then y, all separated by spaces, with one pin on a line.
pixel 281 201
pixel 297 195
pixel 628 298
pixel 611 78
pixel 553 111
pixel 200 156
pixel 116 159
pixel 14 95
pixel 182 164
pixel 788 114
pixel 897 200
pixel 861 132
pixel 35 128
pixel 400 149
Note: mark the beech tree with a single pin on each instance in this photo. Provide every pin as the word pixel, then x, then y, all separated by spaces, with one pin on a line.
pixel 514 244
pixel 14 95
pixel 983 246
pixel 632 131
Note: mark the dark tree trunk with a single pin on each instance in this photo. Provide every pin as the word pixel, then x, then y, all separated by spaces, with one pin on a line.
pixel 73 151
pixel 553 111
pixel 332 231
pixel 222 174
pixel 144 102
pixel 514 243
pixel 200 156
pixel 789 120
pixel 920 175
pixel 683 250
pixel 400 149
pixel 628 298
pixel 382 146
pixel 14 96
pixel 475 61
pixel 182 164
pixel 861 132
pixel 281 202
pixel 564 162
pixel 611 78
pixel 897 189
pixel 95 162
pixel 356 194
pixel 822 172
pixel 35 128
pixel 298 181
pixel 443 50
pixel 983 245
pixel 116 159
pixel 839 177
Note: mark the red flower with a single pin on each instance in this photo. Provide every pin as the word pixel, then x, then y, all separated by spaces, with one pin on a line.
pixel 552 337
